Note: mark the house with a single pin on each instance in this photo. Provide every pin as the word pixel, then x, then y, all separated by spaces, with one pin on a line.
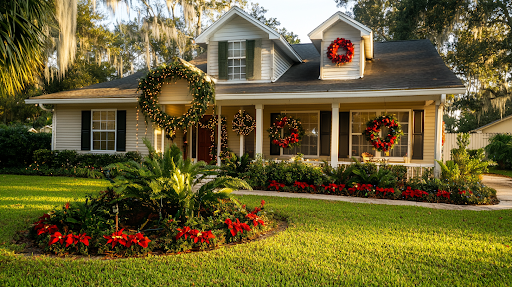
pixel 257 71
pixel 501 126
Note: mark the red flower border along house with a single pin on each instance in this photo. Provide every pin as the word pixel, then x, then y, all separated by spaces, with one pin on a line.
pixel 333 86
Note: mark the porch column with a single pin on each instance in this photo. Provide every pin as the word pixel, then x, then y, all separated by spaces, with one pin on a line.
pixel 335 134
pixel 241 145
pixel 219 135
pixel 438 145
pixel 162 135
pixel 259 129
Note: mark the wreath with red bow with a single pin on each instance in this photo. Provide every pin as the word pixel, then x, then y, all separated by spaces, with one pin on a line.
pixel 373 130
pixel 293 131
pixel 332 51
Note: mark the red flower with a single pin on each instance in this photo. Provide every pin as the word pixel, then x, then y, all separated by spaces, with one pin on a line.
pixel 46 228
pixel 262 203
pixel 56 237
pixel 255 219
pixel 66 206
pixel 204 236
pixel 384 190
pixel 443 193
pixel 83 238
pixel 70 239
pixel 236 227
pixel 275 185
pixel 117 237
pixel 185 231
pixel 138 239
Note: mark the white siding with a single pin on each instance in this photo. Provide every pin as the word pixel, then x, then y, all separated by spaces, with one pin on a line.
pixel 238 29
pixel 69 117
pixel 266 59
pixel 349 70
pixel 281 63
pixel 175 92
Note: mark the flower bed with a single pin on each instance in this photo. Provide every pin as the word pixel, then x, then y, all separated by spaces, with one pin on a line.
pixel 90 229
pixel 364 180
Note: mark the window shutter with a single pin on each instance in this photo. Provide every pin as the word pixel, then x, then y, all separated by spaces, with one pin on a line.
pixel 121 131
pixel 274 149
pixel 86 130
pixel 249 59
pixel 325 132
pixel 343 151
pixel 418 131
pixel 223 60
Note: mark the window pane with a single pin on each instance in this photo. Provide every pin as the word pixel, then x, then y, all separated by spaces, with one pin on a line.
pixel 103 115
pixel 236 45
pixel 111 125
pixel 103 125
pixel 230 45
pixel 242 62
pixel 103 145
pixel 110 145
pixel 96 145
pixel 236 70
pixel 95 116
pixel 111 136
pixel 111 115
pixel 243 45
pixel 95 125
pixel 230 53
pixel 236 53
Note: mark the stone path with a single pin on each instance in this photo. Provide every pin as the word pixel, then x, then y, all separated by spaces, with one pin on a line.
pixel 503 186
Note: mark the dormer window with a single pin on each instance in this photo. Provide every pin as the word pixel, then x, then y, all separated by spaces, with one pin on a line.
pixel 236 60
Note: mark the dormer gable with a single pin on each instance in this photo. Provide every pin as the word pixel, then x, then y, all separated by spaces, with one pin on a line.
pixel 337 26
pixel 240 48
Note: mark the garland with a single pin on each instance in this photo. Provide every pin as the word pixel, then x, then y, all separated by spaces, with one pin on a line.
pixel 332 51
pixel 373 129
pixel 293 135
pixel 211 124
pixel 200 85
pixel 243 123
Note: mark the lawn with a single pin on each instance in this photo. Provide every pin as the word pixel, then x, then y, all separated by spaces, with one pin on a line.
pixel 504 172
pixel 327 243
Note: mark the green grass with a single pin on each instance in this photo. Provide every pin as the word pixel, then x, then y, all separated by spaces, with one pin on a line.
pixel 327 243
pixel 505 172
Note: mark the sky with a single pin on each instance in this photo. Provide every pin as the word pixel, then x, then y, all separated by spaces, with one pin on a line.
pixel 300 16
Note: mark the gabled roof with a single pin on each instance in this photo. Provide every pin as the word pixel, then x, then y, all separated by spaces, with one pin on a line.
pixel 492 124
pixel 367 34
pixel 204 38
pixel 421 69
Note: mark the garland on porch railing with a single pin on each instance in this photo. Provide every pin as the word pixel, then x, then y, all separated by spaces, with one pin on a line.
pixel 374 127
pixel 292 135
pixel 211 124
pixel 200 85
pixel 243 123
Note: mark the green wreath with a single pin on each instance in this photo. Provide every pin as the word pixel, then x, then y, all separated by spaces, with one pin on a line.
pixel 373 128
pixel 200 85
pixel 243 123
pixel 292 135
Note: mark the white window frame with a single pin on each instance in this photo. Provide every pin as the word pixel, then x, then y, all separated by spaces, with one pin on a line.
pixel 379 112
pixel 93 130
pixel 238 58
pixel 318 141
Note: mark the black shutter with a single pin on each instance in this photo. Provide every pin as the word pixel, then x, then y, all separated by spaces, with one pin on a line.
pixel 325 132
pixel 86 130
pixel 249 59
pixel 343 151
pixel 121 131
pixel 223 60
pixel 274 149
pixel 418 131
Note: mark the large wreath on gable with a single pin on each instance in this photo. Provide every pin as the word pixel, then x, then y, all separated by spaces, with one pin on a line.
pixel 332 51
pixel 243 123
pixel 200 85
pixel 373 128
pixel 292 135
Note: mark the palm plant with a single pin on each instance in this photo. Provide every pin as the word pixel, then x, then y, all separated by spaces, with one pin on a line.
pixel 22 41
pixel 167 181
pixel 499 149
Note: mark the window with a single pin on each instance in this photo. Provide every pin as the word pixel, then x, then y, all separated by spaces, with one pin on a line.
pixel 361 145
pixel 236 60
pixel 104 130
pixel 309 143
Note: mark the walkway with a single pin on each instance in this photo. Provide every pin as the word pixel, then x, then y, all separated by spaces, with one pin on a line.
pixel 503 186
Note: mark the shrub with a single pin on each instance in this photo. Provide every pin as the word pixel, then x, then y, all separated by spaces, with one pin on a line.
pixel 499 150
pixel 18 146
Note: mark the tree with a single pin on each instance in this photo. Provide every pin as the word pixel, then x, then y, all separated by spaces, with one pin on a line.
pixel 22 40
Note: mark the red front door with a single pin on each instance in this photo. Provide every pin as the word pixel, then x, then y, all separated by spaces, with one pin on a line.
pixel 204 142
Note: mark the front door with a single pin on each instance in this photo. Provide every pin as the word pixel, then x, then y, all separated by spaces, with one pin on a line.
pixel 204 142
